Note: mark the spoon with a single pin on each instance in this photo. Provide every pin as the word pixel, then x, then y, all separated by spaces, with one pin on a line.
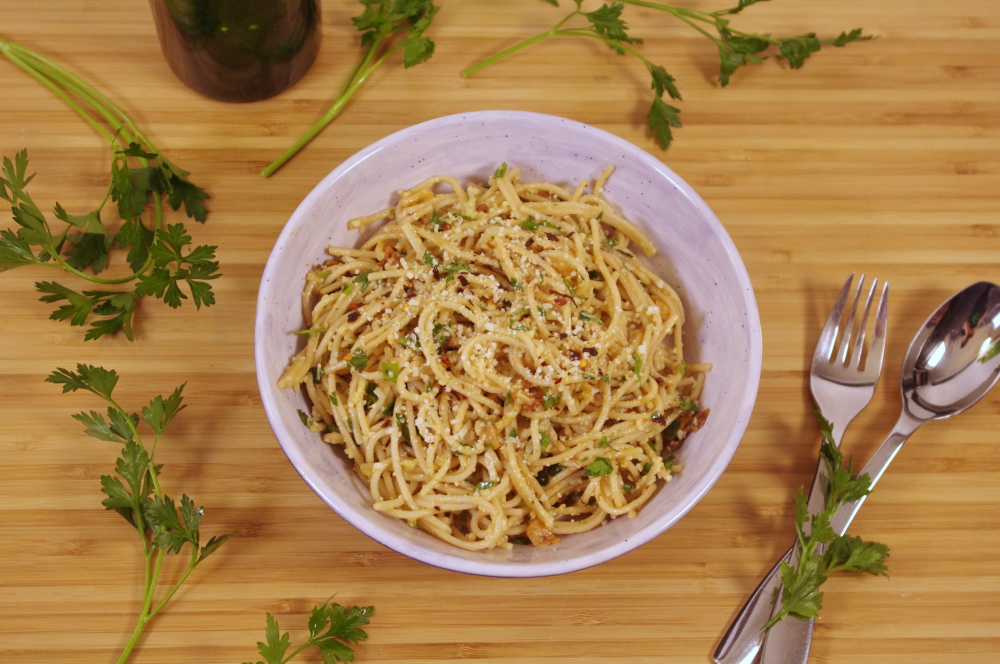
pixel 952 362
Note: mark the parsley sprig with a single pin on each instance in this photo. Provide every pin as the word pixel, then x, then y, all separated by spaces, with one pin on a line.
pixel 141 178
pixel 329 625
pixel 377 23
pixel 163 526
pixel 736 48
pixel 823 550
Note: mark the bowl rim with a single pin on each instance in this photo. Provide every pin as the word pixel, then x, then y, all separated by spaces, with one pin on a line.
pixel 486 568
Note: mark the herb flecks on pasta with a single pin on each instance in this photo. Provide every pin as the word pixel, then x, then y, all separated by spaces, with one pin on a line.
pixel 497 363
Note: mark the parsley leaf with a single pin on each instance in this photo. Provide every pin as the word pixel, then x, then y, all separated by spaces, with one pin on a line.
pixel 135 492
pixel 330 625
pixel 799 591
pixel 501 170
pixel 662 116
pixel 359 359
pixel 797 49
pixel 736 48
pixel 172 267
pixel 607 22
pixel 599 467
pixel 390 372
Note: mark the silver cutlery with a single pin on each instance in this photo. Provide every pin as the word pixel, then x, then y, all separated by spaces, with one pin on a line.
pixel 841 389
pixel 952 362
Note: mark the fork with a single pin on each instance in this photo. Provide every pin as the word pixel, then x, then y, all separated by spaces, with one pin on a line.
pixel 841 389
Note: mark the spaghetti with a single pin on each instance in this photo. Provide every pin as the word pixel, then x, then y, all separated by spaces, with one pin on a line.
pixel 497 363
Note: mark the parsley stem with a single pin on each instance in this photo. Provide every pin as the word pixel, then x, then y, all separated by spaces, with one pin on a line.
pixel 144 616
pixel 6 48
pixel 513 49
pixel 365 67
pixel 176 586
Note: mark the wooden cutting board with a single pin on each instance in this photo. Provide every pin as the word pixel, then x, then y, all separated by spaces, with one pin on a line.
pixel 880 157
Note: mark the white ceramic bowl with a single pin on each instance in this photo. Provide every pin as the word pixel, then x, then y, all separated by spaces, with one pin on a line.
pixel 695 255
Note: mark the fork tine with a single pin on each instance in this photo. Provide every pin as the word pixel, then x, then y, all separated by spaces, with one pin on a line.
pixel 824 347
pixel 845 342
pixel 859 343
pixel 874 362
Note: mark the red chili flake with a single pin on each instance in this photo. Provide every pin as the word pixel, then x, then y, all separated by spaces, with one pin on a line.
pixel 446 226
pixel 551 237
pixel 482 207
pixel 561 301
pixel 658 418
pixel 530 242
pixel 463 280
pixel 437 275
pixel 563 335
pixel 558 380
pixel 574 355
pixel 353 316
pixel 590 351
pixel 354 307
pixel 544 194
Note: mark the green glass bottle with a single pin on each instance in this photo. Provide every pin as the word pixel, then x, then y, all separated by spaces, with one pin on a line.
pixel 238 50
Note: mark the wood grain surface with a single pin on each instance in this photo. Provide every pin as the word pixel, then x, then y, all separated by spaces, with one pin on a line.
pixel 881 157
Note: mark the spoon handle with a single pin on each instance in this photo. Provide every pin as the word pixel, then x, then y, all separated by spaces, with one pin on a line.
pixel 788 641
pixel 876 466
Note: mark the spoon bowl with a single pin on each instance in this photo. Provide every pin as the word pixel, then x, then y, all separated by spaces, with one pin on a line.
pixel 953 360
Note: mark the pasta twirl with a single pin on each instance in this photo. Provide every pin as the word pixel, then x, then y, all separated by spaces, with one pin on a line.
pixel 496 362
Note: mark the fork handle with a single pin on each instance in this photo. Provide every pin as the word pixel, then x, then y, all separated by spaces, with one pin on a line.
pixel 788 641
pixel 743 639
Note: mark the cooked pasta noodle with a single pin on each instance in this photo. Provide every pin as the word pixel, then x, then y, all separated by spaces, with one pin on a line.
pixel 497 363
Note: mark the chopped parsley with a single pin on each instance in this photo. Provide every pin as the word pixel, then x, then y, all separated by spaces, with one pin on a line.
pixel 333 400
pixel 435 221
pixel 370 397
pixel 387 411
pixel 411 341
pixel 552 400
pixel 531 225
pixel 599 467
pixel 429 259
pixel 686 404
pixel 545 440
pixel 569 286
pixel 363 280
pixel 604 442
pixel 484 485
pixel 595 275
pixel 404 429
pixel 586 315
pixel 306 420
pixel 315 329
pixel 501 170
pixel 454 267
pixel 390 372
pixel 359 359
pixel 513 433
